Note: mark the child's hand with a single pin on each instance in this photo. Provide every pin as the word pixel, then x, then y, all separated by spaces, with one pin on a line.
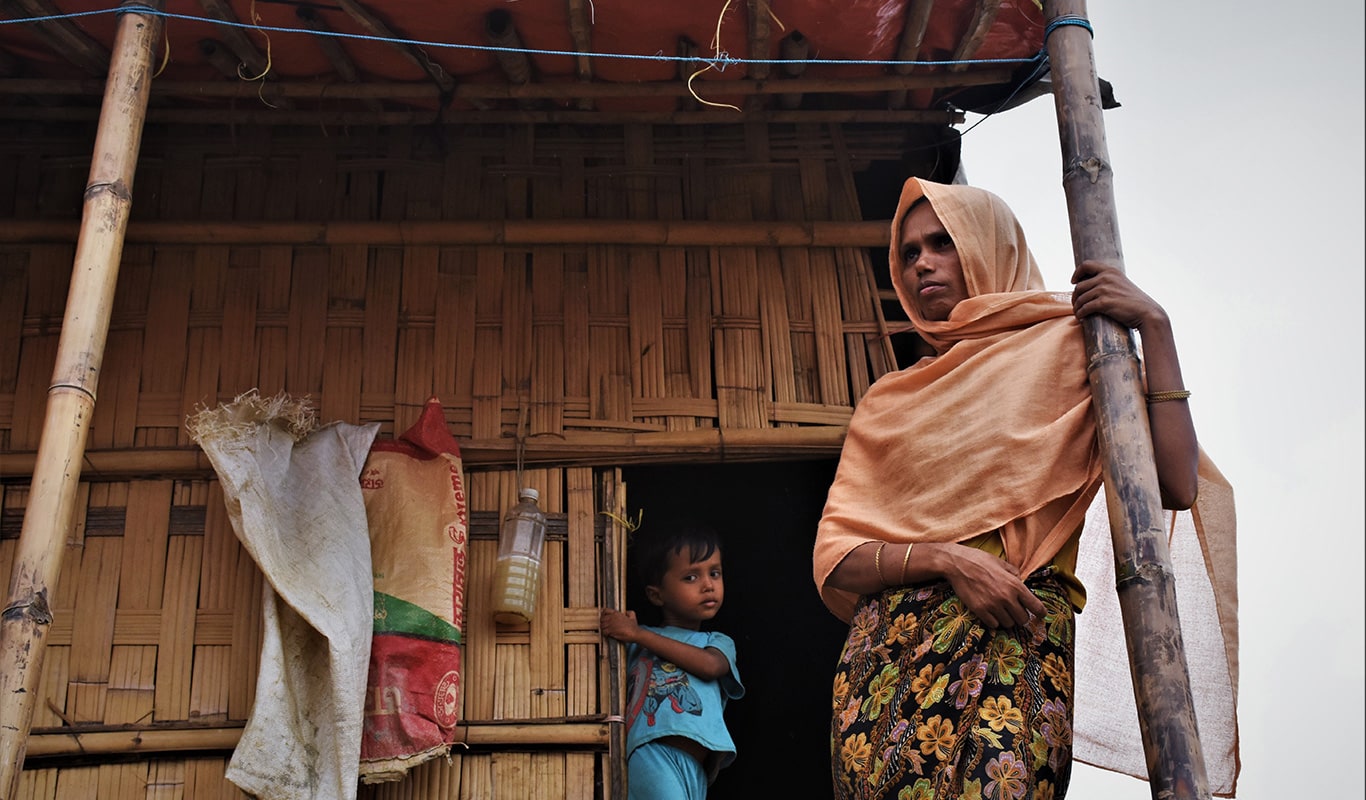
pixel 619 625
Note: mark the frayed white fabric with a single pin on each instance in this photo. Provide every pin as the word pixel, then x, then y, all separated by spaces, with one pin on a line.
pixel 293 497
pixel 1106 726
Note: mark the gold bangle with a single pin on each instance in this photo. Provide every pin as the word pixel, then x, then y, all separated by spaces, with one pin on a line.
pixel 877 563
pixel 904 561
pixel 1162 397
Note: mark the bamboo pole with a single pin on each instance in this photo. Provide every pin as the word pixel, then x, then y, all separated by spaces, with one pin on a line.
pixel 586 448
pixel 500 734
pixel 613 596
pixel 27 616
pixel 493 232
pixel 1144 580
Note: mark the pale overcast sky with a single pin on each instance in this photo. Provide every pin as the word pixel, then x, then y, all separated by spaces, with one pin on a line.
pixel 1238 158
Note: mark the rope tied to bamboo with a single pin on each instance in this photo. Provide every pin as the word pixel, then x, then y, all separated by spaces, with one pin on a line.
pixel 1068 19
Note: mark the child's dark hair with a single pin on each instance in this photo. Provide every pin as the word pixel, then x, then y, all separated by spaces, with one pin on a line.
pixel 652 548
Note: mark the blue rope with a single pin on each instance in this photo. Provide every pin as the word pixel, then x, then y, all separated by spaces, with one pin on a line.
pixel 720 61
pixel 1068 19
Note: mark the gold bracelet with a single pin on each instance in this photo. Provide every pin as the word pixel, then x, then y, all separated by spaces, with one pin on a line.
pixel 1162 397
pixel 877 563
pixel 904 561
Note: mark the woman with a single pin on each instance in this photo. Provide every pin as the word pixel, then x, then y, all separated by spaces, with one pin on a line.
pixel 949 536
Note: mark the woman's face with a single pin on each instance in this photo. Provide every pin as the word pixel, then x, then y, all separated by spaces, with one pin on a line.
pixel 931 273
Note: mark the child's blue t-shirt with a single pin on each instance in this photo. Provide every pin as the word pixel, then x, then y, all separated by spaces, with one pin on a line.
pixel 663 700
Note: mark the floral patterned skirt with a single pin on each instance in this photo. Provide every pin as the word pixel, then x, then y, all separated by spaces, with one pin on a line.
pixel 931 705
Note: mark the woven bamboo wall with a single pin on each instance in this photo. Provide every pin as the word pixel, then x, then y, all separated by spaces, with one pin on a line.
pixel 157 608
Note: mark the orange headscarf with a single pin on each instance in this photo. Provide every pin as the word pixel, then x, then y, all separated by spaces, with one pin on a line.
pixel 994 432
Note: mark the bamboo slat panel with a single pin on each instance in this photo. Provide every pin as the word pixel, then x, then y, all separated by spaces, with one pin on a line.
pixel 157 627
pixel 157 620
pixel 591 337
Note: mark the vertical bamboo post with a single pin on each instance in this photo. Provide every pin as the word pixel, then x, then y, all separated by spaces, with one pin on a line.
pixel 1144 580
pixel 27 616
pixel 613 499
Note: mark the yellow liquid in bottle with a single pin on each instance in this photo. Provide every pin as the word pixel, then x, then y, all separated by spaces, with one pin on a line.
pixel 515 581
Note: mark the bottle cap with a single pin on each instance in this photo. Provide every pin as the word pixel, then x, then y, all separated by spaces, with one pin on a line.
pixel 529 493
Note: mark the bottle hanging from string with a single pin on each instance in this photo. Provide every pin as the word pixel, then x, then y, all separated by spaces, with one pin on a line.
pixel 517 576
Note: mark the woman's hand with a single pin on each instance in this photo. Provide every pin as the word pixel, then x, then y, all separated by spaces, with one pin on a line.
pixel 988 586
pixel 1100 288
pixel 1103 289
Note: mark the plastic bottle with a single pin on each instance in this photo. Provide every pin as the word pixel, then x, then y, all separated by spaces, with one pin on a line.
pixel 517 576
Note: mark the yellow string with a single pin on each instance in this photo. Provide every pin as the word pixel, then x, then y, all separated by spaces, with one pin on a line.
pixel 716 52
pixel 256 20
pixel 626 522
pixel 166 54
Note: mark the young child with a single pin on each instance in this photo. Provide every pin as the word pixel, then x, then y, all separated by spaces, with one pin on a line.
pixel 680 676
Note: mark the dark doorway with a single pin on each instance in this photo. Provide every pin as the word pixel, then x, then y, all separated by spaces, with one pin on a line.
pixel 786 641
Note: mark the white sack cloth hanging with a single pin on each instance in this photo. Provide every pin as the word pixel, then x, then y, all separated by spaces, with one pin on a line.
pixel 293 496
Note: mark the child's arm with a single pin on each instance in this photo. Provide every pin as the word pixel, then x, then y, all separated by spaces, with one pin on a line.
pixel 707 663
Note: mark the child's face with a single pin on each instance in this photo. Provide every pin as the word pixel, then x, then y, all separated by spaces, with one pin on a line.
pixel 690 592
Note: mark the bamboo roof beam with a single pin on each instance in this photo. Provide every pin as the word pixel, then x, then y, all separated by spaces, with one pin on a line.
pixel 760 28
pixel 581 33
pixel 61 35
pixel 687 50
pixel 413 53
pixel 908 49
pixel 971 42
pixel 268 116
pixel 794 47
pixel 500 32
pixel 253 64
pixel 221 58
pixel 409 90
pixel 499 232
pixel 333 51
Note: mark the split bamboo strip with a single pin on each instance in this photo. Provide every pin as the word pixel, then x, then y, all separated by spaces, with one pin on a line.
pixel 580 776
pixel 26 620
pixel 307 318
pixel 93 631
pixel 547 645
pixel 480 656
pixel 84 782
pixel 38 784
pixel 413 381
pixel 1143 572
pixel 454 352
pixel 609 367
pixel 582 555
pixel 175 646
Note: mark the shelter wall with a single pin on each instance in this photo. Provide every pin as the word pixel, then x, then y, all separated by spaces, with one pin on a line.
pixel 595 353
